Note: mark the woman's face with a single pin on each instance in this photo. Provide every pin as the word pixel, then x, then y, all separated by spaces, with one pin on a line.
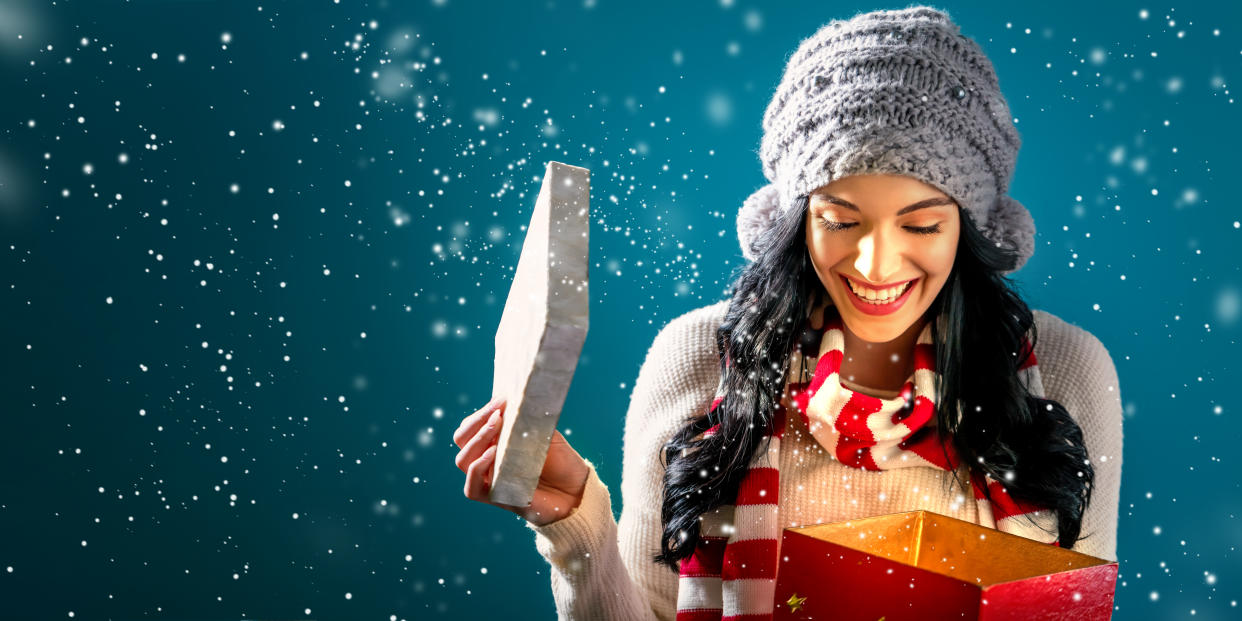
pixel 879 232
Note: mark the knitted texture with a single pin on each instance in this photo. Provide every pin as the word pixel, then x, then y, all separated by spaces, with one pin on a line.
pixel 602 569
pixel 732 573
pixel 895 92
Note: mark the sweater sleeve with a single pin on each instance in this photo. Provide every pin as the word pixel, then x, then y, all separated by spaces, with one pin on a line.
pixel 602 568
pixel 1078 372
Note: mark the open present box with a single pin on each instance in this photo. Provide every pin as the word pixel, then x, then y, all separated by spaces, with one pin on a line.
pixel 923 565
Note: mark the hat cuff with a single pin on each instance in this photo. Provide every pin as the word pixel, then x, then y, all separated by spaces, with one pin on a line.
pixel 950 164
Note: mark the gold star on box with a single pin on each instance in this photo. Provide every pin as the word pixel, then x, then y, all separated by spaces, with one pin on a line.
pixel 795 602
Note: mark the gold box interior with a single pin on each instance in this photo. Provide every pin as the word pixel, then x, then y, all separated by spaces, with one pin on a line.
pixel 951 547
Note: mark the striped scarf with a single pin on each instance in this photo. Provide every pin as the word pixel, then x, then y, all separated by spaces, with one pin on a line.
pixel 732 572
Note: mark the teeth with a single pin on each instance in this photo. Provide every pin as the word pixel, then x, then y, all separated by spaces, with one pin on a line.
pixel 879 297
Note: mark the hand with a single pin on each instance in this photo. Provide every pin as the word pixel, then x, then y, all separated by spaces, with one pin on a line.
pixel 561 483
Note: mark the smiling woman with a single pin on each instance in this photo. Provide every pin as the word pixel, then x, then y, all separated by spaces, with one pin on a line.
pixel 871 358
pixel 852 390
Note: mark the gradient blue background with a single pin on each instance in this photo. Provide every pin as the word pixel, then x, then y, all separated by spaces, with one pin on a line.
pixel 161 457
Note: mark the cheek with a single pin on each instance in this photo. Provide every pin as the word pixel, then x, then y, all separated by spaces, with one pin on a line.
pixel 824 254
pixel 937 258
pixel 941 256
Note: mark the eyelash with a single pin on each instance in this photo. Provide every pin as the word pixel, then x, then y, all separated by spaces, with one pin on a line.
pixel 841 226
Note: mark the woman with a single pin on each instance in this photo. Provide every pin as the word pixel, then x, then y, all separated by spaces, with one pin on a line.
pixel 872 359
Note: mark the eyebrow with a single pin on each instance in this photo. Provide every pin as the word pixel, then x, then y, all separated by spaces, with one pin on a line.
pixel 934 201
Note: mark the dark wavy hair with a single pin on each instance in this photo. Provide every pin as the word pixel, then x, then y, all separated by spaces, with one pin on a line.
pixel 1030 444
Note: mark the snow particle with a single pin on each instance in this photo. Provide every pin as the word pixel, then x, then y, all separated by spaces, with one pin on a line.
pixel 719 108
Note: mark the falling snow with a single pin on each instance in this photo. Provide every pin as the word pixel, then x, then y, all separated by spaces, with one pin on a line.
pixel 302 220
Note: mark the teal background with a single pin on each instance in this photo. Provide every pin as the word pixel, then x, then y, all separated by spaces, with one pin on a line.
pixel 162 459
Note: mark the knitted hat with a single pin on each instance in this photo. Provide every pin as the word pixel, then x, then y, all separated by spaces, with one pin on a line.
pixel 896 92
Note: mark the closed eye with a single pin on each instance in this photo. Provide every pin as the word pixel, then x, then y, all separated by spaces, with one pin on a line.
pixel 841 226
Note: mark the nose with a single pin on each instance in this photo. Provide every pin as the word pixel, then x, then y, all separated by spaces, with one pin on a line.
pixel 879 258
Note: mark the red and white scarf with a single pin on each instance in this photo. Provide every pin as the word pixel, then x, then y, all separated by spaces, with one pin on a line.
pixel 732 574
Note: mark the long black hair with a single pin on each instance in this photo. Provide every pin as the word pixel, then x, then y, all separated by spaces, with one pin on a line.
pixel 1029 444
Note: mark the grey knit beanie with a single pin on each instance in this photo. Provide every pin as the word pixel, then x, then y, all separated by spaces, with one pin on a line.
pixel 897 92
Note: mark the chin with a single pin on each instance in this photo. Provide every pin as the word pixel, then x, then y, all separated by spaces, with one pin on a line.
pixel 872 333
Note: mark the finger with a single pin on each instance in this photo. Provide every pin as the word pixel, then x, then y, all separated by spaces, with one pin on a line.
pixel 475 447
pixel 470 424
pixel 478 476
pixel 490 455
pixel 465 430
pixel 557 438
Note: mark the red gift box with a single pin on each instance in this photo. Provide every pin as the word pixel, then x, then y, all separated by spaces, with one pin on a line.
pixel 923 565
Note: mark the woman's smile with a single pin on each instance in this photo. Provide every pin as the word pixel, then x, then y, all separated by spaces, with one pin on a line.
pixel 882 302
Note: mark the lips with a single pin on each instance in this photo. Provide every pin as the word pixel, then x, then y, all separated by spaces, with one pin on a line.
pixel 871 308
pixel 845 279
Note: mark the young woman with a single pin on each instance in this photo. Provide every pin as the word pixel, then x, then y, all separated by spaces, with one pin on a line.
pixel 872 358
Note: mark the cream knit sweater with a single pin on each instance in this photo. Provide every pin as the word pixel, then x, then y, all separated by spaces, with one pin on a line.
pixel 602 568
